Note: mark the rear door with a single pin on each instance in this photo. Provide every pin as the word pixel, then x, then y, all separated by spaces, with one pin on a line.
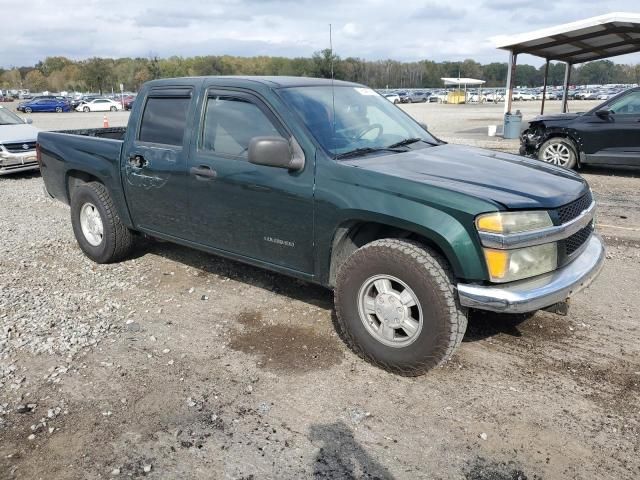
pixel 154 162
pixel 260 212
pixel 614 139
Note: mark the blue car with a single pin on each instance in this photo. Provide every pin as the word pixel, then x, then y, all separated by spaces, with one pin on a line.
pixel 45 105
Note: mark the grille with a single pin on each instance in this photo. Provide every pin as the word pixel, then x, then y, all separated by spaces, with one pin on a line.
pixel 575 241
pixel 18 147
pixel 574 209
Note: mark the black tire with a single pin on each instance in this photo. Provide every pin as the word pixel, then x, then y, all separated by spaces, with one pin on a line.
pixel 27 110
pixel 58 109
pixel 558 142
pixel 444 321
pixel 113 109
pixel 117 239
pixel 86 109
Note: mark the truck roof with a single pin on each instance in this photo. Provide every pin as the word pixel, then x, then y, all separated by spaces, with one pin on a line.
pixel 271 81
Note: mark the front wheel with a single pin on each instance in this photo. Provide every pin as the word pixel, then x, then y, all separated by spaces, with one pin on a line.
pixel 96 225
pixel 27 110
pixel 58 109
pixel 86 109
pixel 397 308
pixel 558 151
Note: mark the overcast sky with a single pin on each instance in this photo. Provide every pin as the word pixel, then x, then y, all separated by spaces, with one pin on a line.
pixel 372 29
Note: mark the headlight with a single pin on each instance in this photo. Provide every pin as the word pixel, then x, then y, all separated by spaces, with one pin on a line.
pixel 511 265
pixel 513 222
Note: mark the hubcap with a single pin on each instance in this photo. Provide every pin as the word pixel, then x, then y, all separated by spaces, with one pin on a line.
pixel 91 224
pixel 557 154
pixel 390 311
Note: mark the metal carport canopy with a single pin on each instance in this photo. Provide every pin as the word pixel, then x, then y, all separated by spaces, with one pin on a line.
pixel 577 42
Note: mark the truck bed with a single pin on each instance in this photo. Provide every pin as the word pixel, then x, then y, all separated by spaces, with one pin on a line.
pixel 114 133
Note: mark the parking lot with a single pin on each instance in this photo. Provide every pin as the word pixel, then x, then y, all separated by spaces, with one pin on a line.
pixel 177 364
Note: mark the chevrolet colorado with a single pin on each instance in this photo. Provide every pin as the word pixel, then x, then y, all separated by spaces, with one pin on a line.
pixel 331 183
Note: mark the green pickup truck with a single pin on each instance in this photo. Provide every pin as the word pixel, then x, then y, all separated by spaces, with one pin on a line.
pixel 331 183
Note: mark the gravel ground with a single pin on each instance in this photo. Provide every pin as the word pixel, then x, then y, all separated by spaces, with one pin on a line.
pixel 177 364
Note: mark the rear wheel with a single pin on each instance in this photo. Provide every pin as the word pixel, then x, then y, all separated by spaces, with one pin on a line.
pixel 96 225
pixel 27 110
pixel 113 109
pixel 397 308
pixel 558 151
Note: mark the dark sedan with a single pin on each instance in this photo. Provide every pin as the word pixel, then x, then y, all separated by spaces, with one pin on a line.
pixel 607 135
pixel 45 105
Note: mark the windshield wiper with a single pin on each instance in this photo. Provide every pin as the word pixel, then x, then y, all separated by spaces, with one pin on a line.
pixel 405 142
pixel 364 150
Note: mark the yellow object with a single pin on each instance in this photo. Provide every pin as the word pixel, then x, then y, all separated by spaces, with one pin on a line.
pixel 497 262
pixel 490 223
pixel 457 96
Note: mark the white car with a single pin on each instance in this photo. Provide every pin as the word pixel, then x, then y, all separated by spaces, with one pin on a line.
pixel 17 143
pixel 99 105
pixel 522 95
pixel 393 98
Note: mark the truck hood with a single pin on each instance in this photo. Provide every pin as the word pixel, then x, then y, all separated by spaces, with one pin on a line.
pixel 18 133
pixel 513 181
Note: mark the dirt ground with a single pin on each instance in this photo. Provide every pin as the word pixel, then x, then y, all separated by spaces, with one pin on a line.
pixel 180 365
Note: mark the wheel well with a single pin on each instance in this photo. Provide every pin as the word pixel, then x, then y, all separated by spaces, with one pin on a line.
pixel 76 178
pixel 352 235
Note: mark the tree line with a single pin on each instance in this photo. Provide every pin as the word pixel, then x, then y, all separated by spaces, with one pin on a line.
pixel 104 74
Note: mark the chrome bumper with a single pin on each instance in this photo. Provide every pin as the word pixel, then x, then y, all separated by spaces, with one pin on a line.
pixel 539 292
pixel 17 162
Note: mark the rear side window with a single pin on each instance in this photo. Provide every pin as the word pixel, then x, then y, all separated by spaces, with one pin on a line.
pixel 164 120
pixel 230 123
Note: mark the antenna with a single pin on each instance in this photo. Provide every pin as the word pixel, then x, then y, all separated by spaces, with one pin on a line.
pixel 333 95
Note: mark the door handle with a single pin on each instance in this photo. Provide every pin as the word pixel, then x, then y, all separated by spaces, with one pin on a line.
pixel 203 172
pixel 138 161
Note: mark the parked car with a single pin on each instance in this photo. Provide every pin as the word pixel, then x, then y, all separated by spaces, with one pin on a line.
pixel 46 104
pixel 393 98
pixel 417 97
pixel 99 105
pixel 523 95
pixel 129 101
pixel 608 134
pixel 17 143
pixel 328 182
pixel 476 97
pixel 439 97
pixel 404 97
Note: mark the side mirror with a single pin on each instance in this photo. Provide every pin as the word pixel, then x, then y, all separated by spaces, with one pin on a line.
pixel 28 121
pixel 276 152
pixel 604 113
pixel 424 125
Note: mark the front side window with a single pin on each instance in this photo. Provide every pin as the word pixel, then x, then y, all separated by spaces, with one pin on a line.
pixel 231 122
pixel 347 119
pixel 164 120
pixel 629 104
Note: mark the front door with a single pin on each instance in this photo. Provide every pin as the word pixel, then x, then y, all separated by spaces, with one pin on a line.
pixel 615 139
pixel 155 162
pixel 260 212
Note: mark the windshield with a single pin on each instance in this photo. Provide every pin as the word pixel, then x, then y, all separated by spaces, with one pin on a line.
pixel 364 120
pixel 9 118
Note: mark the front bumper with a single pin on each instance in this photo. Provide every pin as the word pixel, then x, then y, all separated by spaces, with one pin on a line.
pixel 539 292
pixel 17 162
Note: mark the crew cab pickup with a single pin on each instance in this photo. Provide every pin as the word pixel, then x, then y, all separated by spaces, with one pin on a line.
pixel 331 183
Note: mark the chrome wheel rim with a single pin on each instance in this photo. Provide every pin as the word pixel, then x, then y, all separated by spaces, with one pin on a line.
pixel 91 224
pixel 390 311
pixel 557 154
